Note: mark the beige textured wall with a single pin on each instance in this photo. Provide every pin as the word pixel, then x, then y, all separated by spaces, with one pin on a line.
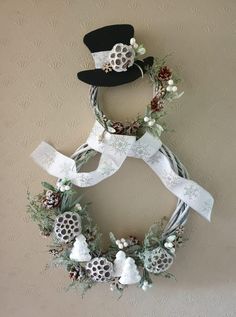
pixel 41 51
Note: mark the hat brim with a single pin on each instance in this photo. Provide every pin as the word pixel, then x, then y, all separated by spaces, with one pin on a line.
pixel 98 77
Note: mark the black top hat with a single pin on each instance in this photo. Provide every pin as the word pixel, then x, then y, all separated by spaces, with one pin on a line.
pixel 104 39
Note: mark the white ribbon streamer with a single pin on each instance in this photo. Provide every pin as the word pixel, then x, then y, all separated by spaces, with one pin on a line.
pixel 115 149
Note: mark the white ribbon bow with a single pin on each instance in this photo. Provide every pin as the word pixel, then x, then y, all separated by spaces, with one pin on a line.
pixel 115 149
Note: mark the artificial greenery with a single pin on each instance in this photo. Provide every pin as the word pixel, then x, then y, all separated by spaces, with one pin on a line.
pixel 162 97
pixel 45 219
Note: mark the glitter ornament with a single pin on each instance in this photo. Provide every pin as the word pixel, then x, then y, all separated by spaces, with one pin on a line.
pixel 67 226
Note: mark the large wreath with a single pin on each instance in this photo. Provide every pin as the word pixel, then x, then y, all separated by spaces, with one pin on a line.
pixel 76 241
pixel 59 210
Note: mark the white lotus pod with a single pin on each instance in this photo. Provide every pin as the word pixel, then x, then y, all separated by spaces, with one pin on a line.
pixel 100 269
pixel 121 57
pixel 67 226
pixel 157 260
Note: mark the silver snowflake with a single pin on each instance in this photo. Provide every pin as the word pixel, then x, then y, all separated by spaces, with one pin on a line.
pixel 143 151
pixel 120 145
pixel 85 180
pixel 207 206
pixel 107 168
pixel 66 170
pixel 191 191
pixel 170 178
pixel 156 158
pixel 47 158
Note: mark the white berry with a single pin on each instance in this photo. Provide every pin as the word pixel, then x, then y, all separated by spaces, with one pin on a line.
pixel 151 122
pixel 174 88
pixel 135 45
pixel 126 244
pixel 170 82
pixel 67 187
pixel 132 41
pixel 62 188
pixel 169 88
pixel 146 119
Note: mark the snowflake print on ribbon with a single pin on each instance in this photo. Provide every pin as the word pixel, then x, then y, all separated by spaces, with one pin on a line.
pixel 66 169
pixel 191 191
pixel 107 168
pixel 207 206
pixel 85 180
pixel 120 145
pixel 155 159
pixel 142 150
pixel 47 159
pixel 170 178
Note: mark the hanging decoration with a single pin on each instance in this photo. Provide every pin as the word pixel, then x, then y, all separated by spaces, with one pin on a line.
pixel 60 211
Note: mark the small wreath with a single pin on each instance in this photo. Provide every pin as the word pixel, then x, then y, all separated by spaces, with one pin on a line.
pixel 59 211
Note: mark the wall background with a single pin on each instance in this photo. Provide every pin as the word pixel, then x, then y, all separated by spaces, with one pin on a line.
pixel 41 50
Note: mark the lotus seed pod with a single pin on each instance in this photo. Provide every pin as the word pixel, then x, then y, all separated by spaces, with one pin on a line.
pixel 121 57
pixel 67 226
pixel 158 260
pixel 100 269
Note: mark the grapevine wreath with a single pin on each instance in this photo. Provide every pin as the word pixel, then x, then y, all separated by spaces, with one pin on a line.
pixel 58 209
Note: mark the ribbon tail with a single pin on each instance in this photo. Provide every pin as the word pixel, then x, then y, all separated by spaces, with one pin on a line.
pixel 52 161
pixel 185 189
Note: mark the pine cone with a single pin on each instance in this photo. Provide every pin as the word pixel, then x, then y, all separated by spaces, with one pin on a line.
pixel 51 199
pixel 116 285
pixel 178 241
pixel 54 252
pixel 164 73
pixel 133 241
pixel 157 104
pixel 76 273
pixel 119 127
pixel 179 230
pixel 132 127
pixel 45 232
pixel 90 235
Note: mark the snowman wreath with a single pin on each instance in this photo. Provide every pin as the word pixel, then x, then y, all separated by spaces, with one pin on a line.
pixel 59 212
